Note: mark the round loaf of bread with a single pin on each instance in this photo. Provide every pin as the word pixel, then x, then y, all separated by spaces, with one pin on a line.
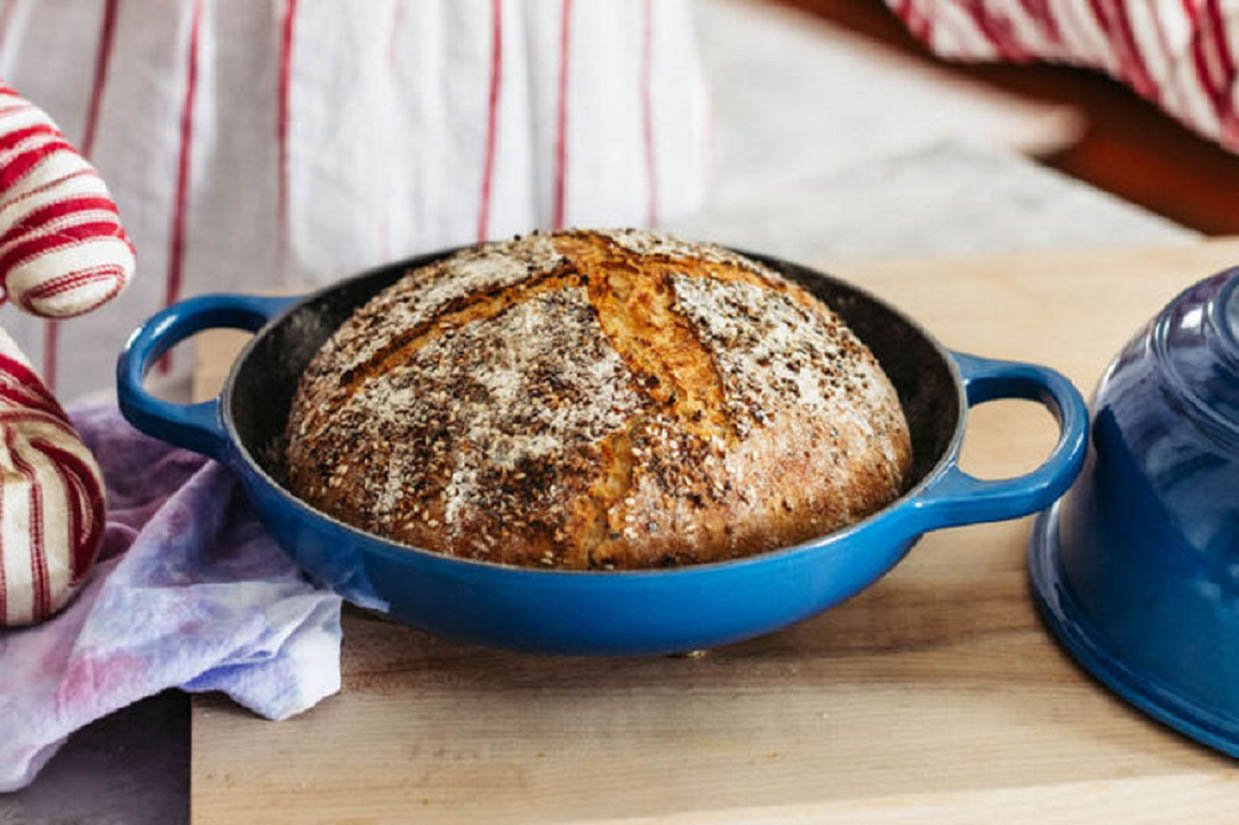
pixel 596 400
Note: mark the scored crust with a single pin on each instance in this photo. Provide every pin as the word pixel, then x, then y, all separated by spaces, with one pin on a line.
pixel 596 400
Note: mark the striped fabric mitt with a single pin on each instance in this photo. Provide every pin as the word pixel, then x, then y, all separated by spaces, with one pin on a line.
pixel 62 248
pixel 62 252
pixel 51 497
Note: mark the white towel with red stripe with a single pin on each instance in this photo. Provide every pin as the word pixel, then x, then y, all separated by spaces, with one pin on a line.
pixel 260 144
pixel 1180 54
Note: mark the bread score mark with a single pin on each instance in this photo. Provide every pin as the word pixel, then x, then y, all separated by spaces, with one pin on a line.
pixel 475 309
pixel 634 309
pixel 673 367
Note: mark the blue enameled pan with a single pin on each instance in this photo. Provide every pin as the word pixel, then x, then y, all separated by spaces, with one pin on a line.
pixel 617 612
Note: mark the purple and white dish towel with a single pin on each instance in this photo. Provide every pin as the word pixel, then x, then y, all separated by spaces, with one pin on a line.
pixel 189 592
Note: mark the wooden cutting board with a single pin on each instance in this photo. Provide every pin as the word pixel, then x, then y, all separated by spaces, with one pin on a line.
pixel 935 696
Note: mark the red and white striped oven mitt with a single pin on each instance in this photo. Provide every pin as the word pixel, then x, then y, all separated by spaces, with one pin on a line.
pixel 63 252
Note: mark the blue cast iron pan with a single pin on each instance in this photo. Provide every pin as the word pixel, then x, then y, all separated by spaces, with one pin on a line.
pixel 597 613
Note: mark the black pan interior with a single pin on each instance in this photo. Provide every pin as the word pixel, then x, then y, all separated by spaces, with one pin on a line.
pixel 262 390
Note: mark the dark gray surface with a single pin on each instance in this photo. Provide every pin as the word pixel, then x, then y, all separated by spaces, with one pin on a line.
pixel 130 768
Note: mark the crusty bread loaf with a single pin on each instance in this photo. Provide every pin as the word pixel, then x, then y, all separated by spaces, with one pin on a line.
pixel 596 400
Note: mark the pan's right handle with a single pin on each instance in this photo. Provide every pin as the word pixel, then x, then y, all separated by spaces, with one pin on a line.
pixel 197 427
pixel 957 497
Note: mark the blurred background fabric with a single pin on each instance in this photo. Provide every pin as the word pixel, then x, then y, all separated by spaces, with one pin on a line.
pixel 1180 55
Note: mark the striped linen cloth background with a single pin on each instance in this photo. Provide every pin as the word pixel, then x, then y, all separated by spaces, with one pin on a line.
pixel 1179 54
pixel 268 144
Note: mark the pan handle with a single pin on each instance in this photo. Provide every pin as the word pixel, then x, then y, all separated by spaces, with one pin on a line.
pixel 197 427
pixel 956 497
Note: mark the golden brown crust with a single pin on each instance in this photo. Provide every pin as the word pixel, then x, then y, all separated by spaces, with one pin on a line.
pixel 593 400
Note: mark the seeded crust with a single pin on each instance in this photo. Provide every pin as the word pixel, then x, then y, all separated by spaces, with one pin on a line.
pixel 596 400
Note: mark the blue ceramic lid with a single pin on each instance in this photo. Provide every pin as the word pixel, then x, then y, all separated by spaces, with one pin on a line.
pixel 1136 569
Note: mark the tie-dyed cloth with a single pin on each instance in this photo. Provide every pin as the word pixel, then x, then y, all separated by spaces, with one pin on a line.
pixel 190 592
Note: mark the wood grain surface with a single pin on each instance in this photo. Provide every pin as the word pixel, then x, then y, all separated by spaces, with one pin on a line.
pixel 934 696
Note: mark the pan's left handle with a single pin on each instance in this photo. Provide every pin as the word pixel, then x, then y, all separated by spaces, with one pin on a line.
pixel 197 427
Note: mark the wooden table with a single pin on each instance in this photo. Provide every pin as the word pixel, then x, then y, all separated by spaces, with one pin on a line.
pixel 935 696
